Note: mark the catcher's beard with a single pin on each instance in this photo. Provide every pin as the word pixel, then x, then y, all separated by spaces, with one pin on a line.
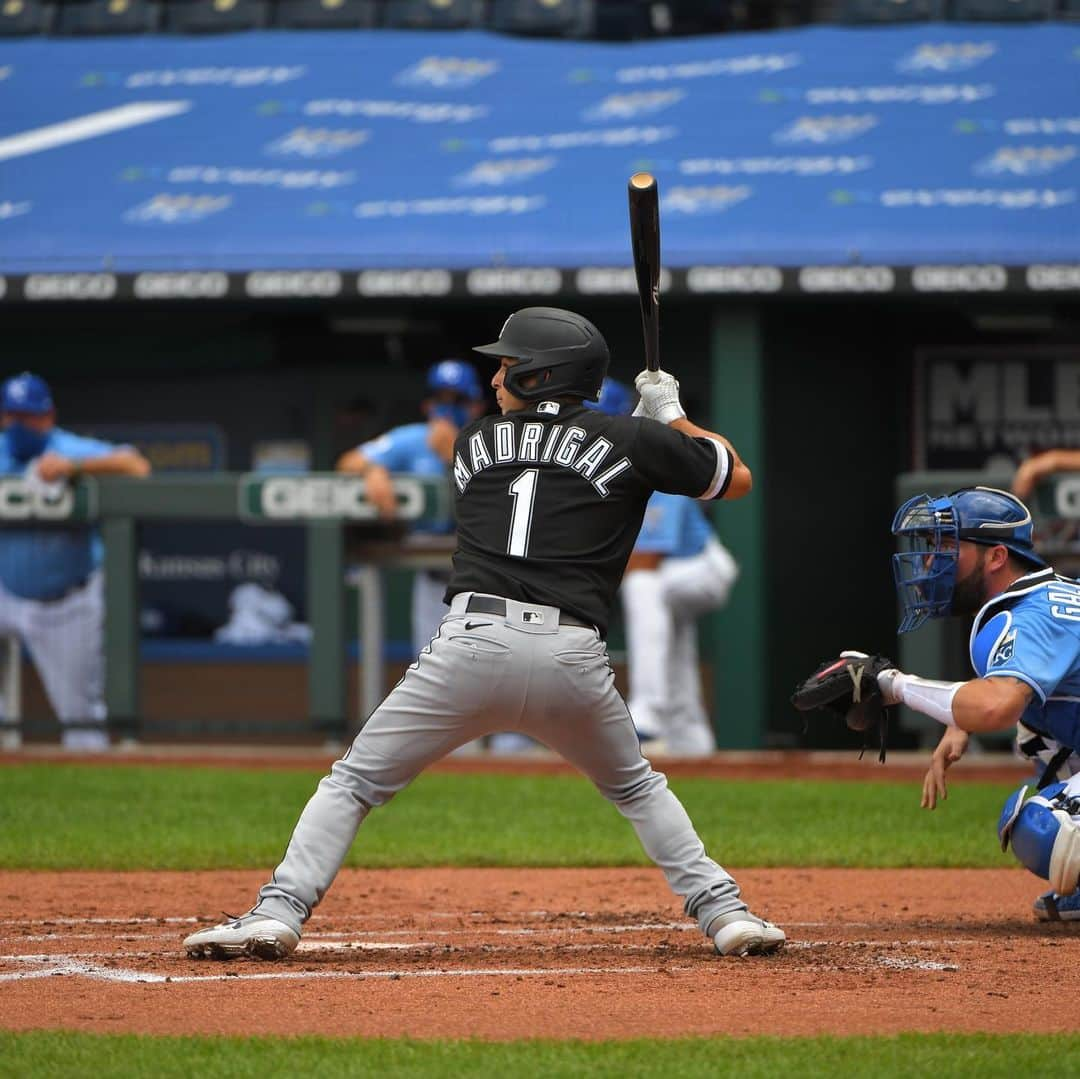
pixel 970 592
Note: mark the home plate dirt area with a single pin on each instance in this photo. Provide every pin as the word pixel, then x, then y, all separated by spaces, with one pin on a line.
pixel 513 953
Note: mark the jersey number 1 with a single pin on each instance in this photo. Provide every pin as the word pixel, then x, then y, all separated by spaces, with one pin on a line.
pixel 523 492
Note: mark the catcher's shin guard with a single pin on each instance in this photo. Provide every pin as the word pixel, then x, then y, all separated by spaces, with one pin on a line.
pixel 1044 834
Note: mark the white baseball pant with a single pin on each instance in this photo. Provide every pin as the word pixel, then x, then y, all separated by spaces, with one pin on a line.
pixel 65 639
pixel 521 671
pixel 660 612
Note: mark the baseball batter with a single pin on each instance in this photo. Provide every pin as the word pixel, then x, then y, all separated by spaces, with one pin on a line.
pixel 549 497
pixel 678 571
pixel 51 587
pixel 971 552
pixel 454 398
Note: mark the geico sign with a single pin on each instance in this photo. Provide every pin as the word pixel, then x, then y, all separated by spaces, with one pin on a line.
pixel 330 496
pixel 1067 498
pixel 20 501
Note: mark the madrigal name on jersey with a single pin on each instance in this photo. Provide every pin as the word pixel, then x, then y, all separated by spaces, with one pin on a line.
pixel 539 443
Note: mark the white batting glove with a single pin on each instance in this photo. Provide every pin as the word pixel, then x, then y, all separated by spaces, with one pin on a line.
pixel 659 397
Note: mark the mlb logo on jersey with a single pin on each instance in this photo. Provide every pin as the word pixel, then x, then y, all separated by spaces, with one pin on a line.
pixel 551 407
pixel 533 618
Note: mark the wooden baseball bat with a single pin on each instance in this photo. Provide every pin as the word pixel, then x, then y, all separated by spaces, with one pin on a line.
pixel 644 199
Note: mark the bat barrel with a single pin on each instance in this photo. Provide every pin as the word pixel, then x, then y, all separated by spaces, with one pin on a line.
pixel 644 202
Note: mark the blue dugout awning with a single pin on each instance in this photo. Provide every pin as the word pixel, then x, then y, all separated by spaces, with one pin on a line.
pixel 443 162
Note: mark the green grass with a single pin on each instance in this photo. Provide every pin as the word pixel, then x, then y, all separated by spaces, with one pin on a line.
pixel 55 816
pixel 45 1054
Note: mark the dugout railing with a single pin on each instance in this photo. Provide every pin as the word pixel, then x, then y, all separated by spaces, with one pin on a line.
pixel 324 505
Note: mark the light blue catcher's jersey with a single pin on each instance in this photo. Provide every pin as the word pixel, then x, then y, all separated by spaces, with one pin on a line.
pixel 406 449
pixel 44 563
pixel 674 525
pixel 1032 632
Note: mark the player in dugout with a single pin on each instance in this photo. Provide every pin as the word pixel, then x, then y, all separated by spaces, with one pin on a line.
pixel 678 572
pixel 51 582
pixel 549 497
pixel 453 399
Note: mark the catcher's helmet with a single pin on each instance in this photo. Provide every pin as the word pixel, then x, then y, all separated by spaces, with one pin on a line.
pixel 615 399
pixel 929 531
pixel 565 349
pixel 455 375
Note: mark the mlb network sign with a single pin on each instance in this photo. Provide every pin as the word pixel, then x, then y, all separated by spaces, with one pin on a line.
pixel 23 501
pixel 981 407
pixel 327 498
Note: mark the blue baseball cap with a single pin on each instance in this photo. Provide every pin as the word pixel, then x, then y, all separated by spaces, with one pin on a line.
pixel 455 375
pixel 26 393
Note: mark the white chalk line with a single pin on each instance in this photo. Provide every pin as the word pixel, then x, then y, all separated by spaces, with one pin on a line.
pixel 69 965
pixel 314 943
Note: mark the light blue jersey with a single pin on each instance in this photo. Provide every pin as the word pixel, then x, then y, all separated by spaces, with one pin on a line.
pixel 1032 632
pixel 46 563
pixel 674 526
pixel 406 449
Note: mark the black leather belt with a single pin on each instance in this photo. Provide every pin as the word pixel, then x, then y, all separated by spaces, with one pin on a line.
pixel 491 605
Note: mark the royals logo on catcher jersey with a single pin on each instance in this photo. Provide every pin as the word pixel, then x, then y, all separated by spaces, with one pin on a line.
pixel 549 501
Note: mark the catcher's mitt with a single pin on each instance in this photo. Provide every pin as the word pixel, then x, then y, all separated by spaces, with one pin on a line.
pixel 848 686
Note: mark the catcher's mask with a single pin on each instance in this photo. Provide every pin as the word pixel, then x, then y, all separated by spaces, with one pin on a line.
pixel 566 350
pixel 929 531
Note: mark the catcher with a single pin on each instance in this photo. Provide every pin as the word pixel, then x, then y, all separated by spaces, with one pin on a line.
pixel 971 552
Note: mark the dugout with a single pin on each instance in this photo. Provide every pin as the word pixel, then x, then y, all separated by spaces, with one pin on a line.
pixel 266 273
pixel 820 396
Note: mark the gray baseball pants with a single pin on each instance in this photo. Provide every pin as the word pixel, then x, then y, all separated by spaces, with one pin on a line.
pixel 482 673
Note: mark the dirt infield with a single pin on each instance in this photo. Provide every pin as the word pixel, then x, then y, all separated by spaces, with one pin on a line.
pixel 511 953
pixel 502 954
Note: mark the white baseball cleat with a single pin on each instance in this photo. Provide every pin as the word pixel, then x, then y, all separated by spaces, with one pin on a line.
pixel 255 935
pixel 743 933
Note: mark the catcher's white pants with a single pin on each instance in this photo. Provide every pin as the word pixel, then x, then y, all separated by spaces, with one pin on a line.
pixel 660 611
pixel 65 639
pixel 485 673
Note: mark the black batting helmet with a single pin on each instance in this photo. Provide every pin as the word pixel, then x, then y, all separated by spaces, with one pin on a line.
pixel 564 345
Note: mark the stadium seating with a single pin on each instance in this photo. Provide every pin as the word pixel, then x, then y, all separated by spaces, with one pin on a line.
pixel 18 17
pixel 610 19
pixel 214 16
pixel 107 17
pixel 567 18
pixel 433 14
pixel 1002 10
pixel 852 12
pixel 326 14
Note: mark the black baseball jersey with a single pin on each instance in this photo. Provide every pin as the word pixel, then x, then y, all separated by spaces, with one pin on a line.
pixel 549 500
